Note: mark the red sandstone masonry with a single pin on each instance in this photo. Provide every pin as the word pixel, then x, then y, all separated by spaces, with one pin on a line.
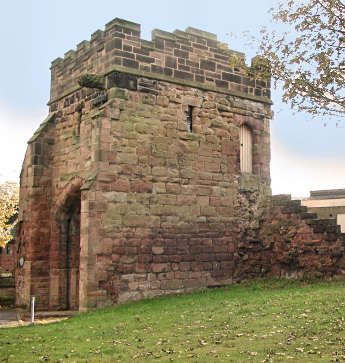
pixel 293 243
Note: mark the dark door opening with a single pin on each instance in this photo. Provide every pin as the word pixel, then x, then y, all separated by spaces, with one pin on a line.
pixel 70 254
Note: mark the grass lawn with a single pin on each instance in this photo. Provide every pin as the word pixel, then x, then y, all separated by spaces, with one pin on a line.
pixel 262 321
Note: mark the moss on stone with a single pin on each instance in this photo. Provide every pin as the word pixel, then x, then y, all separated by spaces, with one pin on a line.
pixel 142 128
pixel 249 182
pixel 98 113
pixel 190 136
pixel 91 81
pixel 68 176
pixel 75 140
pixel 89 180
pixel 68 135
pixel 118 93
pixel 260 68
pixel 149 99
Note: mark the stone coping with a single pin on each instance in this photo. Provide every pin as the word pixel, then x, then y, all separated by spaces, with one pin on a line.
pixel 161 77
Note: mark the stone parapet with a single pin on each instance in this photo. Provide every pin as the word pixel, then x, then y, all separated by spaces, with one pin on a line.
pixel 190 56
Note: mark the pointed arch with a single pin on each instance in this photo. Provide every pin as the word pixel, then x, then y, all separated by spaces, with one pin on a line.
pixel 67 268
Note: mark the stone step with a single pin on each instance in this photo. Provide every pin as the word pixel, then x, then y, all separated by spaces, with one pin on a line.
pixel 333 229
pixel 325 225
pixel 293 208
pixel 9 318
pixel 7 300
pixel 51 314
pixel 295 203
pixel 281 199
pixel 322 222
pixel 322 228
pixel 308 215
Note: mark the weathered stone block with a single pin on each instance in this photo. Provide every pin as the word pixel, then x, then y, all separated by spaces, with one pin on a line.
pixel 121 185
pixel 128 259
pixel 171 285
pixel 160 267
pixel 157 250
pixel 140 221
pixel 208 65
pixel 118 93
pixel 194 283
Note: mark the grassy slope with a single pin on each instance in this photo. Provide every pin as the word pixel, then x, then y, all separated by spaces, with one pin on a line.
pixel 264 321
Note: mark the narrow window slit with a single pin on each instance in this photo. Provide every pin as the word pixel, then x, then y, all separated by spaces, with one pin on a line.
pixel 190 119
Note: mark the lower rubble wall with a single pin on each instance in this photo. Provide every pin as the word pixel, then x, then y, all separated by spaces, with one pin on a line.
pixel 287 242
pixel 293 243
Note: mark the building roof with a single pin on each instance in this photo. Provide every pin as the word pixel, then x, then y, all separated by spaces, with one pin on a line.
pixel 327 194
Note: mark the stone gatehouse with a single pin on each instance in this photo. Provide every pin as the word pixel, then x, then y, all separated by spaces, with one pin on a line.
pixel 150 176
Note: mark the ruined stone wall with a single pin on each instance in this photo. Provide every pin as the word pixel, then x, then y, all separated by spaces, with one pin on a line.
pixel 305 245
pixel 55 166
pixel 293 243
pixel 33 232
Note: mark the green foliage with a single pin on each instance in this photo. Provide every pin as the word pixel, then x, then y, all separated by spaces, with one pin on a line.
pixel 91 81
pixel 261 321
pixel 236 61
pixel 259 69
pixel 260 66
pixel 9 197
pixel 309 58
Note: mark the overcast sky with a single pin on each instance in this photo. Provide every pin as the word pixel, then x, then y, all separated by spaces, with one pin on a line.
pixel 305 154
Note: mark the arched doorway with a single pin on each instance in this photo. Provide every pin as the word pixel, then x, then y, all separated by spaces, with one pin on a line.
pixel 69 248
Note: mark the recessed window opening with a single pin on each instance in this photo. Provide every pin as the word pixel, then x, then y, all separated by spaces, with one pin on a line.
pixel 246 149
pixel 190 119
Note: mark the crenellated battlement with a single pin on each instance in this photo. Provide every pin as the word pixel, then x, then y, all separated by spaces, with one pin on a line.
pixel 192 56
